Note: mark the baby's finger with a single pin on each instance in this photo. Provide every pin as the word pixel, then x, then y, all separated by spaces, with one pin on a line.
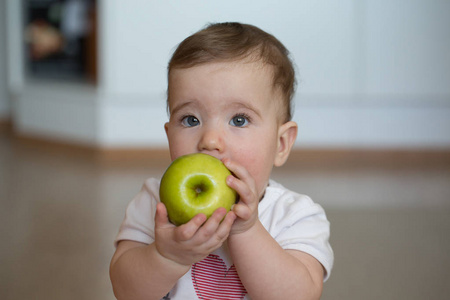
pixel 161 218
pixel 224 228
pixel 213 237
pixel 187 231
pixel 246 195
pixel 238 170
pixel 242 211
pixel 217 239
pixel 210 227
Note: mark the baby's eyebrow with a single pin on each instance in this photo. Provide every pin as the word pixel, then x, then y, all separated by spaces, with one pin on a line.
pixel 181 106
pixel 247 106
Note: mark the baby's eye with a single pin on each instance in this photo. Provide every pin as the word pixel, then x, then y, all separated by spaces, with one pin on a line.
pixel 190 121
pixel 239 121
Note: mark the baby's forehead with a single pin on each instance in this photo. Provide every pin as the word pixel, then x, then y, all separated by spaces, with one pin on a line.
pixel 247 65
pixel 251 71
pixel 258 67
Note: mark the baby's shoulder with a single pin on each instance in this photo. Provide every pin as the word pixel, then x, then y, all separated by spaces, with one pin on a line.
pixel 277 194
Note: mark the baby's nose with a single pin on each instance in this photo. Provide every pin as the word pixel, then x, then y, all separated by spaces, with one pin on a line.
pixel 211 140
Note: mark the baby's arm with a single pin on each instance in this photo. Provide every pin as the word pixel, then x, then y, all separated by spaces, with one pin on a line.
pixel 266 270
pixel 269 272
pixel 140 271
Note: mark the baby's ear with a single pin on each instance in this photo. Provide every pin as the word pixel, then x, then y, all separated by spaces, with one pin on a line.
pixel 287 133
pixel 166 128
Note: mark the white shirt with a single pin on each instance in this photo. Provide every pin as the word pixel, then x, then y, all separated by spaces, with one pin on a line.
pixel 292 219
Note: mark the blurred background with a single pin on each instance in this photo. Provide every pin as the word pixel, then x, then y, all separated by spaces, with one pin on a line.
pixel 82 108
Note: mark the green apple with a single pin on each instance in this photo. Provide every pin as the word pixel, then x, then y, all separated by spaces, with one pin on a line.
pixel 193 184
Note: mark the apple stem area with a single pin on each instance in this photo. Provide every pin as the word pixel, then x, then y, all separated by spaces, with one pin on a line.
pixel 199 189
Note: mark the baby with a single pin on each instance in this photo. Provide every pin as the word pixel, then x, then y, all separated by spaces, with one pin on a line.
pixel 230 87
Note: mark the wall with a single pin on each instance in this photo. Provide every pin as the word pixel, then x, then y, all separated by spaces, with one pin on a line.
pixel 372 74
pixel 4 99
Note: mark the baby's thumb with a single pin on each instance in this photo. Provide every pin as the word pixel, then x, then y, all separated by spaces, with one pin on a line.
pixel 242 211
pixel 161 217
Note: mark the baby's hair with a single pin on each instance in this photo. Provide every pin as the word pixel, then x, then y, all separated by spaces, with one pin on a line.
pixel 233 42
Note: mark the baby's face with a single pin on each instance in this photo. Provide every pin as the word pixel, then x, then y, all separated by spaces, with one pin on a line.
pixel 227 110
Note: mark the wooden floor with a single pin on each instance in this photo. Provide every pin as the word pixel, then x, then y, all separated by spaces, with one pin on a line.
pixel 60 210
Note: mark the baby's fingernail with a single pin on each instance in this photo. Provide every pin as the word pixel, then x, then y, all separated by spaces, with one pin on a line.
pixel 226 161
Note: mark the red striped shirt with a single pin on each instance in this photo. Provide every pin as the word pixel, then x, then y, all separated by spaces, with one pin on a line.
pixel 214 281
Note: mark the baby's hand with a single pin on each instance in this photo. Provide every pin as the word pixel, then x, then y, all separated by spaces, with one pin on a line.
pixel 193 241
pixel 246 209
